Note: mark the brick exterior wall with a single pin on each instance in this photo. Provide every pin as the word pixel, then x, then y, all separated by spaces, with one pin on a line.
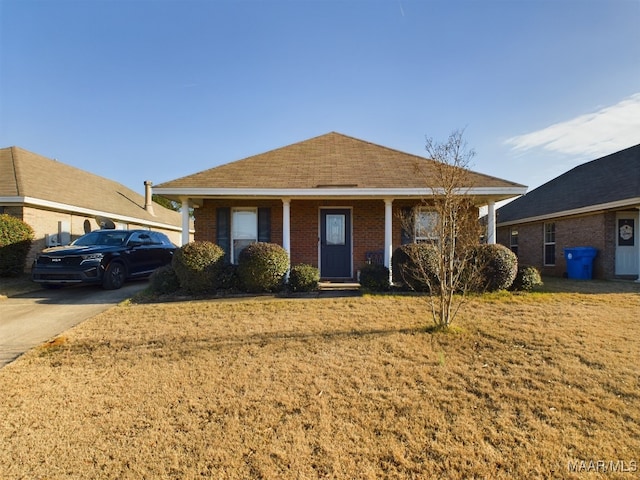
pixel 367 223
pixel 596 230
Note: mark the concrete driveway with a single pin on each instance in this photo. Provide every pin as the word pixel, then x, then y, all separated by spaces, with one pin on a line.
pixel 33 318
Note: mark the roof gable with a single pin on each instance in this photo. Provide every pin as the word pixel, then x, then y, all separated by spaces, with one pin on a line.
pixel 613 178
pixel 27 174
pixel 332 160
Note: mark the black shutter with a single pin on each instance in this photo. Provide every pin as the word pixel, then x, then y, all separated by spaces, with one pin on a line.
pixel 223 231
pixel 264 224
pixel 407 225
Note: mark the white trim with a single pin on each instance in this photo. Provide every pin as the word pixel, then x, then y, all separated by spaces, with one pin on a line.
pixel 388 235
pixel 286 230
pixel 184 211
pixel 630 202
pixel 491 223
pixel 498 193
pixel 37 202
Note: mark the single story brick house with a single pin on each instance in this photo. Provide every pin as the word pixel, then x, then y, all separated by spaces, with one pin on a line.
pixel 596 204
pixel 332 201
pixel 61 202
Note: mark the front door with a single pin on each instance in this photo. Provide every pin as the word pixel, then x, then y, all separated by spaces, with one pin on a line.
pixel 627 244
pixel 335 243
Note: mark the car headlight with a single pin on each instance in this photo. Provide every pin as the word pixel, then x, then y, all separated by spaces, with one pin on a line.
pixel 92 257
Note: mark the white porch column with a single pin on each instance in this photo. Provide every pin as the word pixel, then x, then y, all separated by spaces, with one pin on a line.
pixel 286 226
pixel 186 205
pixel 388 234
pixel 491 223
pixel 637 237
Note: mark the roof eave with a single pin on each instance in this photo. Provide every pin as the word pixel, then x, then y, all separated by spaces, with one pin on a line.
pixel 629 202
pixel 62 207
pixel 490 193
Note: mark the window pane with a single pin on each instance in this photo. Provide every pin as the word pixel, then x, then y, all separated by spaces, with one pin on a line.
pixel 245 224
pixel 549 232
pixel 335 229
pixel 238 246
pixel 426 225
pixel 244 230
pixel 550 254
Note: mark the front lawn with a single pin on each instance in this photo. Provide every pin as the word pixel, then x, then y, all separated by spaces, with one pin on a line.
pixel 529 386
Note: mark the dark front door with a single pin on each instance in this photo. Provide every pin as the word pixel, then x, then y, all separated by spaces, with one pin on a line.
pixel 335 243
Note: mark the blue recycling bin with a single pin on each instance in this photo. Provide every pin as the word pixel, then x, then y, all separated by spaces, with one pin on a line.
pixel 580 262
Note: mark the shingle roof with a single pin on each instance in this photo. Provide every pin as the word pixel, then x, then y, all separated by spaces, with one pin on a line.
pixel 27 174
pixel 608 179
pixel 331 160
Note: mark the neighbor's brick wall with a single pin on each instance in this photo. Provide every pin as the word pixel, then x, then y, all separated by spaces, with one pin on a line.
pixel 597 230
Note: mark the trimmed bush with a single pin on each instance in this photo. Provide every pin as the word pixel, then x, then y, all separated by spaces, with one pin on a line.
pixel 527 279
pixel 375 277
pixel 229 278
pixel 198 265
pixel 496 266
pixel 416 266
pixel 15 242
pixel 262 267
pixel 303 278
pixel 164 280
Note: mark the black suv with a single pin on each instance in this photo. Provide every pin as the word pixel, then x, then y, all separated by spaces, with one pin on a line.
pixel 104 256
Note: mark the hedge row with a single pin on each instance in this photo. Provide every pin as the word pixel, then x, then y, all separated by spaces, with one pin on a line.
pixel 199 268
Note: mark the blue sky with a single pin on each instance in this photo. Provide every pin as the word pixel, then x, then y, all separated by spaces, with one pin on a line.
pixel 146 89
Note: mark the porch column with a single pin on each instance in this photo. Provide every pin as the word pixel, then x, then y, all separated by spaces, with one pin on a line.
pixel 186 204
pixel 388 234
pixel 286 227
pixel 491 223
pixel 636 234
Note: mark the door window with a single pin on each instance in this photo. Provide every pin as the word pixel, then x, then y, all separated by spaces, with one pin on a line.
pixel 335 229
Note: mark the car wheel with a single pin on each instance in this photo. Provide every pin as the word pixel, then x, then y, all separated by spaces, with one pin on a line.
pixel 114 276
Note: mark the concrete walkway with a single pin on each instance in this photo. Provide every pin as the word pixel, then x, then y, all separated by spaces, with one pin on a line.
pixel 30 319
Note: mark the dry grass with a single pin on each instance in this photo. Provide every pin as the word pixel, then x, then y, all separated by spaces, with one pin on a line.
pixel 332 388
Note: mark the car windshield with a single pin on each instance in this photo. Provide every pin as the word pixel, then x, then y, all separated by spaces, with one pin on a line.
pixel 113 237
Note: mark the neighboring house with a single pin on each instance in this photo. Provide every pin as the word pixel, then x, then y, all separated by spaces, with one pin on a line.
pixel 596 204
pixel 61 202
pixel 332 201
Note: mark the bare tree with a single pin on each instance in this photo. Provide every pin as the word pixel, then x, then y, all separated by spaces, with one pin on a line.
pixel 447 222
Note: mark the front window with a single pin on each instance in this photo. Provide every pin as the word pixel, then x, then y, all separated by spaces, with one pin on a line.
pixel 550 244
pixel 514 240
pixel 426 226
pixel 244 230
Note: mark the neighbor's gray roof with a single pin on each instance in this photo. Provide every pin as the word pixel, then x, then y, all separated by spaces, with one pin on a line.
pixel 27 174
pixel 330 160
pixel 609 179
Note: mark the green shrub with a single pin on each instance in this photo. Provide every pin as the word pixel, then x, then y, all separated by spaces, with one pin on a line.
pixel 527 279
pixel 164 280
pixel 198 265
pixel 496 267
pixel 375 277
pixel 416 266
pixel 228 279
pixel 303 278
pixel 262 267
pixel 15 242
